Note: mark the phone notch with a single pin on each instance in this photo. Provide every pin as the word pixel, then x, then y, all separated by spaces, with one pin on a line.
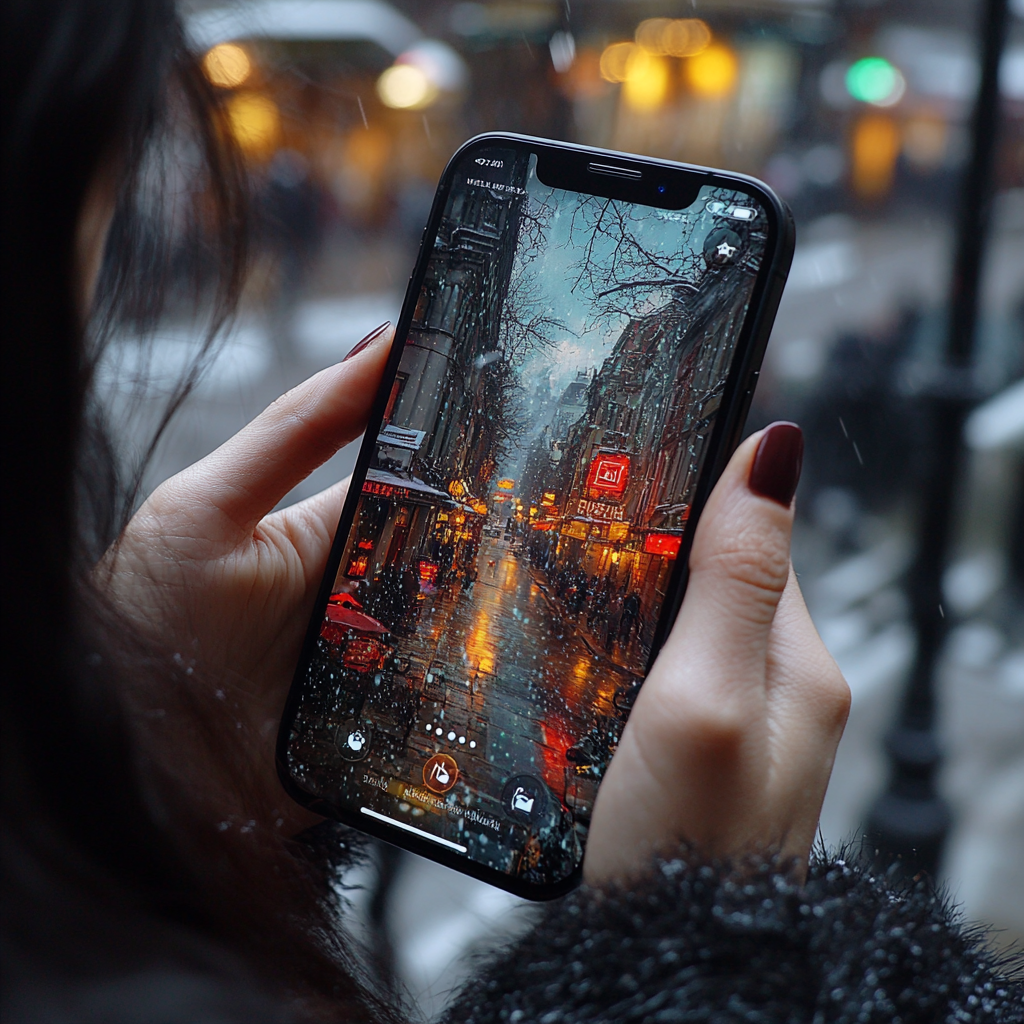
pixel 631 181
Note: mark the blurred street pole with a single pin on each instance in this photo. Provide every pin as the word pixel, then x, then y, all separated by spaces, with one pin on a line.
pixel 909 823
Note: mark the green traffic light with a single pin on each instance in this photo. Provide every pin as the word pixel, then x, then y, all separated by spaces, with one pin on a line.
pixel 873 80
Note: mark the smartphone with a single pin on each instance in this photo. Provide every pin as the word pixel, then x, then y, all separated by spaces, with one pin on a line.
pixel 572 368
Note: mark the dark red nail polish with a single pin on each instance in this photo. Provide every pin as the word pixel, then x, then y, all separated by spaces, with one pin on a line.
pixel 777 463
pixel 368 340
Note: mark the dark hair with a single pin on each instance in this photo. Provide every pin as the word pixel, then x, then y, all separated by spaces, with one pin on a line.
pixel 106 873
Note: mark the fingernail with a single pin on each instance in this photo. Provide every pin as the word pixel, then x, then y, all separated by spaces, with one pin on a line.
pixel 368 340
pixel 777 463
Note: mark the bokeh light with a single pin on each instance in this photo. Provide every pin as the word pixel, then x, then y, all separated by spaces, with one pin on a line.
pixel 673 37
pixel 645 78
pixel 614 60
pixel 227 65
pixel 875 147
pixel 255 122
pixel 646 83
pixel 713 71
pixel 406 87
pixel 875 80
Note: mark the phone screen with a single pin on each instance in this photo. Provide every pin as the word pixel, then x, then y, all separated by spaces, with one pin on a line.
pixel 518 527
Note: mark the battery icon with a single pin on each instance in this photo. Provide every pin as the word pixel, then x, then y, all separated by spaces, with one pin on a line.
pixel 741 213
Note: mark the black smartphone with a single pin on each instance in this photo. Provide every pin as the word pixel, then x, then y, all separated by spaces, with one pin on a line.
pixel 572 368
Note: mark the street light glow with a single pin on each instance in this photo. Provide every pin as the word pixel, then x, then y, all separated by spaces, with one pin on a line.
pixel 713 71
pixel 875 148
pixel 644 77
pixel 227 65
pixel 874 80
pixel 673 37
pixel 614 60
pixel 647 80
pixel 255 121
pixel 406 87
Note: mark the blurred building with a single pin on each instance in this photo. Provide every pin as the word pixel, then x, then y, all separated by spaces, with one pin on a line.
pixel 438 451
pixel 840 106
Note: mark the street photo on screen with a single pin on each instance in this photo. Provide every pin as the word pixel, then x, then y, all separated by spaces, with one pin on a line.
pixel 519 524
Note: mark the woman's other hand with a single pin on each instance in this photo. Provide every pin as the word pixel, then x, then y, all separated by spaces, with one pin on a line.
pixel 210 573
pixel 732 737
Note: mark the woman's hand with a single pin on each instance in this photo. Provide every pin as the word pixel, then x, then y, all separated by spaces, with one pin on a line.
pixel 223 584
pixel 731 741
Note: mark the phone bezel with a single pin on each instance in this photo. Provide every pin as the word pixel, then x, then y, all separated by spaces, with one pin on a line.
pixel 564 162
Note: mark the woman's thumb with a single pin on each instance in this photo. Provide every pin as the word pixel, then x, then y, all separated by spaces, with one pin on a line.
pixel 739 563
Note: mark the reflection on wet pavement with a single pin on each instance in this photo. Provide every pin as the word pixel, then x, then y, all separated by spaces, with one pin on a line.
pixel 506 685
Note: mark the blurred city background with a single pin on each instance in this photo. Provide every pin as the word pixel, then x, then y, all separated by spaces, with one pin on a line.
pixel 858 112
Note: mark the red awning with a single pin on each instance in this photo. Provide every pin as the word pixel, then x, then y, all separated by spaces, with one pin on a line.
pixel 349 618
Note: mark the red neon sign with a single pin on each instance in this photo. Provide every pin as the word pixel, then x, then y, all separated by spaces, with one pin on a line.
pixel 385 490
pixel 357 567
pixel 666 544
pixel 608 474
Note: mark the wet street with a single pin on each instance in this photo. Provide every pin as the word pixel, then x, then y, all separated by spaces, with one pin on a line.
pixel 495 680
pixel 508 684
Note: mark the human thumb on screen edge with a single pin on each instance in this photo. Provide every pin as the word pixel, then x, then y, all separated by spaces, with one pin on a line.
pixel 731 740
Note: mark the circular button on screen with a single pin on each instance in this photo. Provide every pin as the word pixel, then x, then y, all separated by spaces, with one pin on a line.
pixel 353 739
pixel 525 798
pixel 722 246
pixel 440 773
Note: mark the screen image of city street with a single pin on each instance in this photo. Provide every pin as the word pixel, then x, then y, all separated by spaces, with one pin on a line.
pixel 527 497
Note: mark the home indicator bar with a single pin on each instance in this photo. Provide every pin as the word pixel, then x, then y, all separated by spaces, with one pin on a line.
pixel 414 831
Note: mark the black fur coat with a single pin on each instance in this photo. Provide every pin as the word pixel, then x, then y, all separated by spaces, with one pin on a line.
pixel 691 944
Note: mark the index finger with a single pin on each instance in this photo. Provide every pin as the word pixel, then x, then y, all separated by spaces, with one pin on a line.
pixel 251 472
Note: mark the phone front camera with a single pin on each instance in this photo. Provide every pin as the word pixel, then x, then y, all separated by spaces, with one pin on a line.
pixel 662 189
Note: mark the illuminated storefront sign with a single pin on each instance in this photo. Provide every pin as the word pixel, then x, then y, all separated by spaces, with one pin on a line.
pixel 428 576
pixel 608 475
pixel 666 544
pixel 618 531
pixel 389 491
pixel 357 567
pixel 549 499
pixel 599 510
pixel 576 529
pixel 506 485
